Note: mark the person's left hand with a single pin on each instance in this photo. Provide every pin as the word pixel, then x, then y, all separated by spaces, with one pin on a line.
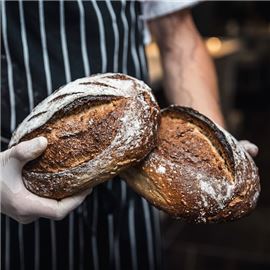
pixel 251 148
pixel 19 203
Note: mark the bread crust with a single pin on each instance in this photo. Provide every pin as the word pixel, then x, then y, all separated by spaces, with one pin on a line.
pixel 82 152
pixel 213 180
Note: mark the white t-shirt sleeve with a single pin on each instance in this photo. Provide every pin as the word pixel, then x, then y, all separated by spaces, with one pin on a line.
pixel 154 9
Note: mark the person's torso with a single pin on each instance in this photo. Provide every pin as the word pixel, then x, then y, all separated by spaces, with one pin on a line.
pixel 45 45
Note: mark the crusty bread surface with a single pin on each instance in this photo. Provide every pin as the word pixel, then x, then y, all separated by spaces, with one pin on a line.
pixel 198 172
pixel 95 127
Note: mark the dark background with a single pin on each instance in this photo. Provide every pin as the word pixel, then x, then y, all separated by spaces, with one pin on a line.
pixel 244 82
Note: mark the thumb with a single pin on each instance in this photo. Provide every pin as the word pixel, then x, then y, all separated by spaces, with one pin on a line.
pixel 29 150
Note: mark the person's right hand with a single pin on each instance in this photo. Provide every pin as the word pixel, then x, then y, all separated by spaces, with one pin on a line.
pixel 19 203
pixel 251 148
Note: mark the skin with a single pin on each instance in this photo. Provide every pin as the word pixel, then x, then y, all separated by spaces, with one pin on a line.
pixel 189 74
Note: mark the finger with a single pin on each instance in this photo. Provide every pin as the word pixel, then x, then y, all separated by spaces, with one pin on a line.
pixel 69 204
pixel 23 219
pixel 26 220
pixel 29 150
pixel 53 209
pixel 251 148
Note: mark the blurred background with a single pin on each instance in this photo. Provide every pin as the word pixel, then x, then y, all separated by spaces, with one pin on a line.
pixel 237 35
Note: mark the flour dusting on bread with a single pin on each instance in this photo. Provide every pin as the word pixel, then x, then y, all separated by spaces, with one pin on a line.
pixel 81 88
pixel 198 169
pixel 134 138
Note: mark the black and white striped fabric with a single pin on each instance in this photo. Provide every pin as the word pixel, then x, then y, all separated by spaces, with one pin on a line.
pixel 45 45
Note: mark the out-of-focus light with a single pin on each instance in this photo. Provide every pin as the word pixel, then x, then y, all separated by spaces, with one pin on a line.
pixel 213 45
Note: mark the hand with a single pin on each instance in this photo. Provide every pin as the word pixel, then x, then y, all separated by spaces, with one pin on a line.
pixel 19 203
pixel 251 148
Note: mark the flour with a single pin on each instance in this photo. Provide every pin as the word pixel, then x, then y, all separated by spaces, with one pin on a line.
pixel 161 169
pixel 128 88
pixel 135 128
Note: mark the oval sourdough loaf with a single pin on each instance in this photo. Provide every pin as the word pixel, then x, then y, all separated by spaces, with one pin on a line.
pixel 95 126
pixel 197 172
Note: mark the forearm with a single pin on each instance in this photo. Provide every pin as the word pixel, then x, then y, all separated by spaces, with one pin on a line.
pixel 189 74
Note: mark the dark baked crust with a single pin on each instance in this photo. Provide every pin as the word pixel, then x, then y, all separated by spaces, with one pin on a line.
pixel 208 127
pixel 197 172
pixel 72 140
pixel 93 137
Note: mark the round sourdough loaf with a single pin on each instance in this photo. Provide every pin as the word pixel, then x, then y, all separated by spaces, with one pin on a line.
pixel 95 127
pixel 197 172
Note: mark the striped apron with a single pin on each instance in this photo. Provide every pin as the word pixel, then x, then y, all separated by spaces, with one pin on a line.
pixel 45 45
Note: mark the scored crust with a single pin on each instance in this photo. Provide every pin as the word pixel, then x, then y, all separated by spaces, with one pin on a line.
pixel 95 127
pixel 197 172
pixel 78 133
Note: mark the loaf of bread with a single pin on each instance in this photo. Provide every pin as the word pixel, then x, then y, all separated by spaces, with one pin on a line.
pixel 95 127
pixel 198 172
